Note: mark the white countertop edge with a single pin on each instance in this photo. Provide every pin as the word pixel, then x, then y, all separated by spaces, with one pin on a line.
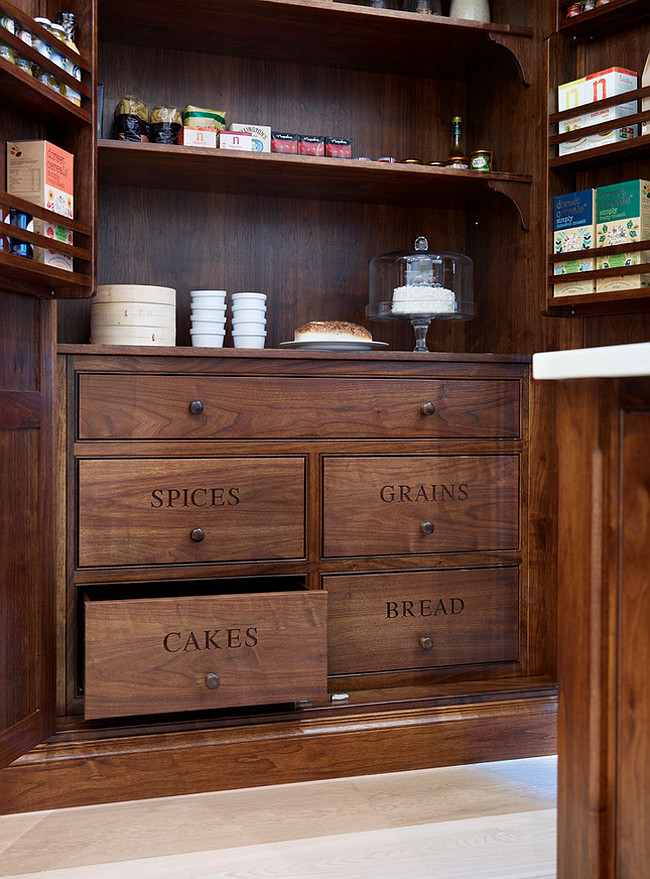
pixel 614 361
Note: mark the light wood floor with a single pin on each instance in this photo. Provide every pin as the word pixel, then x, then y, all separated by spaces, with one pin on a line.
pixel 461 822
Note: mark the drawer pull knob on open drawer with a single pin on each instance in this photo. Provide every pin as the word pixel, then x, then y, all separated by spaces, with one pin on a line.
pixel 196 407
pixel 426 643
pixel 197 534
pixel 427 527
pixel 212 680
pixel 427 408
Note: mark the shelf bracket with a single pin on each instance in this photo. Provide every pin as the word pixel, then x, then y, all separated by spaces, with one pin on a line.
pixel 519 195
pixel 521 49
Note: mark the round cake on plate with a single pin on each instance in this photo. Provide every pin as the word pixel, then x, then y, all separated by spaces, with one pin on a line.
pixel 331 331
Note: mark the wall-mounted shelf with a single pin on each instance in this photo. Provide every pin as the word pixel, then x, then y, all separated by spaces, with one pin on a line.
pixel 603 20
pixel 322 33
pixel 305 177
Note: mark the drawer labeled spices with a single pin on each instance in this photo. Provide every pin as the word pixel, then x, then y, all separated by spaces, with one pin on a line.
pixel 420 504
pixel 214 407
pixel 153 655
pixel 423 619
pixel 190 510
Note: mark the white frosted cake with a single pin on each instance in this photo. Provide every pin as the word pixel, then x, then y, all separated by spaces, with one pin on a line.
pixel 423 299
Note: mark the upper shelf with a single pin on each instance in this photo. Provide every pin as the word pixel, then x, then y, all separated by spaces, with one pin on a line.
pixel 306 177
pixel 601 21
pixel 319 32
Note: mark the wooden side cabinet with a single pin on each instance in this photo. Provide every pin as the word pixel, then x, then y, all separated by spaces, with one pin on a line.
pixel 604 628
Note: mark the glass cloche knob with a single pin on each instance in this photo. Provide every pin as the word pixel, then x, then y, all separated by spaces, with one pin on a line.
pixel 421 243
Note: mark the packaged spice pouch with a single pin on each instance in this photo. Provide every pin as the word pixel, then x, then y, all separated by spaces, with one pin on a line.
pixel 130 106
pixel 131 120
pixel 162 113
pixel 164 132
pixel 199 117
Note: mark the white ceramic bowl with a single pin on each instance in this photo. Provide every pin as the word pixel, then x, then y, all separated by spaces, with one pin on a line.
pixel 208 313
pixel 247 340
pixel 248 297
pixel 207 340
pixel 243 327
pixel 248 312
pixel 209 326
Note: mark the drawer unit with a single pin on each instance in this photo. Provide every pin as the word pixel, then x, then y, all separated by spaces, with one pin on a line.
pixel 153 655
pixel 438 503
pixel 190 510
pixel 172 407
pixel 393 621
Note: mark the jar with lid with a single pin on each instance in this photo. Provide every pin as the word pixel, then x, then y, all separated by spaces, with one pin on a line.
pixel 42 46
pixel 475 10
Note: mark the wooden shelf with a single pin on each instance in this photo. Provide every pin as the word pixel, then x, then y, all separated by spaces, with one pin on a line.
pixel 26 276
pixel 305 177
pixel 320 32
pixel 624 150
pixel 25 94
pixel 603 20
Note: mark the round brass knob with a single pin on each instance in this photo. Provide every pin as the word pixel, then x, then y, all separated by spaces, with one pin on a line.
pixel 197 534
pixel 427 408
pixel 196 407
pixel 427 527
pixel 426 643
pixel 212 680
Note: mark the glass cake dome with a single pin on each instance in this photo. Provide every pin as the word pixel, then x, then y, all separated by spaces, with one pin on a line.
pixel 420 286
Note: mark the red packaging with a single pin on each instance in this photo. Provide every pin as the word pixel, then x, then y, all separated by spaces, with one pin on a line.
pixel 338 147
pixel 282 142
pixel 311 145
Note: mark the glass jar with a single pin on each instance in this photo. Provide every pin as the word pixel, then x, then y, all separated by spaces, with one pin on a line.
pixel 475 10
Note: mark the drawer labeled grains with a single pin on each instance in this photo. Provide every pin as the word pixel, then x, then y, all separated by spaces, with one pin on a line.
pixel 425 619
pixel 214 407
pixel 190 510
pixel 153 655
pixel 420 504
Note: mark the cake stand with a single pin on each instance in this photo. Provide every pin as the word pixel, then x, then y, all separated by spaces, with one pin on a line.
pixel 421 286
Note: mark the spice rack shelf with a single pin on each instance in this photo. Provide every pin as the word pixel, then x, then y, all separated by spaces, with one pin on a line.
pixel 52 117
pixel 322 33
pixel 608 35
pixel 304 177
pixel 615 15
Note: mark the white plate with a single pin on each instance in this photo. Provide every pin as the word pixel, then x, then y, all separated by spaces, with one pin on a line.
pixel 336 346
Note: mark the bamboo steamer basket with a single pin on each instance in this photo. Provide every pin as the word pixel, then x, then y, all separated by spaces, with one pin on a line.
pixel 133 314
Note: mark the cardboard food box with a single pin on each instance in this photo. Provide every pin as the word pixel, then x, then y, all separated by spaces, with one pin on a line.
pixel 597 87
pixel 43 173
pixel 623 214
pixel 261 135
pixel 198 137
pixel 573 231
pixel 236 140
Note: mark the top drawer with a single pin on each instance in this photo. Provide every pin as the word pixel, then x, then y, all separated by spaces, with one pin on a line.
pixel 211 407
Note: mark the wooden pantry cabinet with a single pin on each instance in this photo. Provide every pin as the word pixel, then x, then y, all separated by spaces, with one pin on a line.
pixel 405 555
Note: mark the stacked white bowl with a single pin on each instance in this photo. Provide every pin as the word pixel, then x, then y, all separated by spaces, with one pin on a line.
pixel 248 319
pixel 208 318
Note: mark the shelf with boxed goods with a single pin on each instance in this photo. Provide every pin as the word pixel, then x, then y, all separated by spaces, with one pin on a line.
pixel 598 147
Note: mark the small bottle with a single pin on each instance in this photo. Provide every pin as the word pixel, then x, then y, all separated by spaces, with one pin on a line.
pixel 424 7
pixel 456 157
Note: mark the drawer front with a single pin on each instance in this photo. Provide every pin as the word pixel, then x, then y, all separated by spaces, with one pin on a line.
pixel 153 655
pixel 190 510
pixel 422 619
pixel 152 406
pixel 397 505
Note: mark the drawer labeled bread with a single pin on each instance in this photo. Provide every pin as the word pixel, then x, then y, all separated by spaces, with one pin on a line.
pixel 154 655
pixel 424 619
pixel 420 504
pixel 215 407
pixel 190 510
